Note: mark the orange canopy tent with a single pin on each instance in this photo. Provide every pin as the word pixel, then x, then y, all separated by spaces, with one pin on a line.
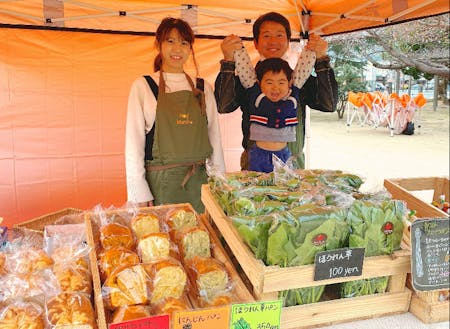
pixel 66 68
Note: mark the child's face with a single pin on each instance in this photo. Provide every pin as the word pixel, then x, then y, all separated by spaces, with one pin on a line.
pixel 274 85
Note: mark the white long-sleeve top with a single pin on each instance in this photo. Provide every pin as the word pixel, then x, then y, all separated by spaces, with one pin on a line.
pixel 141 115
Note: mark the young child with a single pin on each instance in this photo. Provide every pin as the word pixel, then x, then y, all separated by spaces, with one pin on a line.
pixel 273 90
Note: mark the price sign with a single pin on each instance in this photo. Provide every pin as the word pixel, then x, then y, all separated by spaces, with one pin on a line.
pixel 217 318
pixel 338 263
pixel 262 315
pixel 155 322
pixel 430 254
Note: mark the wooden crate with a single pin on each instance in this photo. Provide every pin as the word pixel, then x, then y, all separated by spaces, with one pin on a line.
pixel 428 306
pixel 241 293
pixel 267 281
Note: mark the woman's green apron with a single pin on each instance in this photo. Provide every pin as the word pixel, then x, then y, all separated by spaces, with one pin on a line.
pixel 180 147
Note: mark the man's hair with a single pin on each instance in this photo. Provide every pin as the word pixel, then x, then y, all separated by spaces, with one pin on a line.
pixel 271 17
pixel 273 65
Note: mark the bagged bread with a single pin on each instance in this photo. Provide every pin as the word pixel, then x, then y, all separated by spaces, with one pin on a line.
pixel 127 285
pixel 130 312
pixel 73 278
pixel 181 217
pixel 154 246
pixel 167 279
pixel 144 224
pixel 193 241
pixel 116 235
pixel 22 315
pixel 169 305
pixel 70 311
pixel 113 258
pixel 210 278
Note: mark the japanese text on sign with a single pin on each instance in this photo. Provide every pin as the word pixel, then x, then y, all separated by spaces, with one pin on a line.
pixel 259 315
pixel 338 263
pixel 217 318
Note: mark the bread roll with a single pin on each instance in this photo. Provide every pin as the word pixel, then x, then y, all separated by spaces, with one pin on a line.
pixel 130 312
pixel 116 235
pixel 116 257
pixel 210 278
pixel 127 285
pixel 170 305
pixel 144 224
pixel 167 279
pixel 2 263
pixel 179 218
pixel 70 310
pixel 193 241
pixel 22 316
pixel 153 247
pixel 26 261
pixel 76 255
pixel 73 278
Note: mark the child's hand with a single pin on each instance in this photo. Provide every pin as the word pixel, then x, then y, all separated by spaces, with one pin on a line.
pixel 318 45
pixel 229 45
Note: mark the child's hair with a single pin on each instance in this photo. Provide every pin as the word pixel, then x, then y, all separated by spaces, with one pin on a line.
pixel 274 65
pixel 185 30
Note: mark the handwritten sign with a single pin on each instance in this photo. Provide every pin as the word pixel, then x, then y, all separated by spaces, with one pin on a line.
pixel 259 315
pixel 217 318
pixel 338 263
pixel 155 322
pixel 430 254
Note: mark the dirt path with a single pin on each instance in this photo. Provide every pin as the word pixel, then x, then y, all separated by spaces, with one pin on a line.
pixel 374 154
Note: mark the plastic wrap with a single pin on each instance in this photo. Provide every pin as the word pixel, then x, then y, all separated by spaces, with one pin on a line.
pixel 169 305
pixel 116 235
pixel 179 218
pixel 70 309
pixel 144 224
pixel 193 241
pixel 113 258
pixel 154 246
pixel 130 312
pixel 21 314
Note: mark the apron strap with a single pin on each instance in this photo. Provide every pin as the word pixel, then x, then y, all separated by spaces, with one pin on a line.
pixel 192 170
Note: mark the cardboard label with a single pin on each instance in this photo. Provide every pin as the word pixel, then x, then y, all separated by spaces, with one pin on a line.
pixel 338 263
pixel 261 315
pixel 430 254
pixel 155 322
pixel 216 318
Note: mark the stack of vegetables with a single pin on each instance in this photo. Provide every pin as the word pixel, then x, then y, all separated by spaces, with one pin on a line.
pixel 286 217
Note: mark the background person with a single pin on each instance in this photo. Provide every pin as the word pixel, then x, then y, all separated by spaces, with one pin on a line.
pixel 271 34
pixel 172 126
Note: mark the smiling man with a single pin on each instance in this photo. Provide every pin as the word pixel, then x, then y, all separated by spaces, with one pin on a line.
pixel 272 33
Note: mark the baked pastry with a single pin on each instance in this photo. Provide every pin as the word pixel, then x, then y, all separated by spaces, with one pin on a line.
pixel 73 278
pixel 2 263
pixel 130 312
pixel 169 305
pixel 70 310
pixel 116 235
pixel 127 285
pixel 115 257
pixel 193 241
pixel 209 277
pixel 179 218
pixel 26 261
pixel 143 224
pixel 73 254
pixel 154 246
pixel 167 279
pixel 22 316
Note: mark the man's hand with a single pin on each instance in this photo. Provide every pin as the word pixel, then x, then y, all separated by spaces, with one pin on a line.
pixel 229 45
pixel 318 45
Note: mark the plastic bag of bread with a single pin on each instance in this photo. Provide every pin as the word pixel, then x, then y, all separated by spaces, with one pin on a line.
pixel 167 279
pixel 169 305
pixel 113 258
pixel 130 312
pixel 116 235
pixel 22 315
pixel 193 241
pixel 26 260
pixel 144 224
pixel 73 278
pixel 127 285
pixel 181 217
pixel 154 246
pixel 210 279
pixel 2 263
pixel 70 310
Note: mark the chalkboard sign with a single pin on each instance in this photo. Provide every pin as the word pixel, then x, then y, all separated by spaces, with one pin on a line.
pixel 338 263
pixel 430 254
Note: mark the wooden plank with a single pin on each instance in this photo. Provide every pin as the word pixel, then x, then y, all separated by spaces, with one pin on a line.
pixel 429 313
pixel 423 209
pixel 344 310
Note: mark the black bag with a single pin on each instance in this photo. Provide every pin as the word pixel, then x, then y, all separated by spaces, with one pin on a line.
pixel 409 129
